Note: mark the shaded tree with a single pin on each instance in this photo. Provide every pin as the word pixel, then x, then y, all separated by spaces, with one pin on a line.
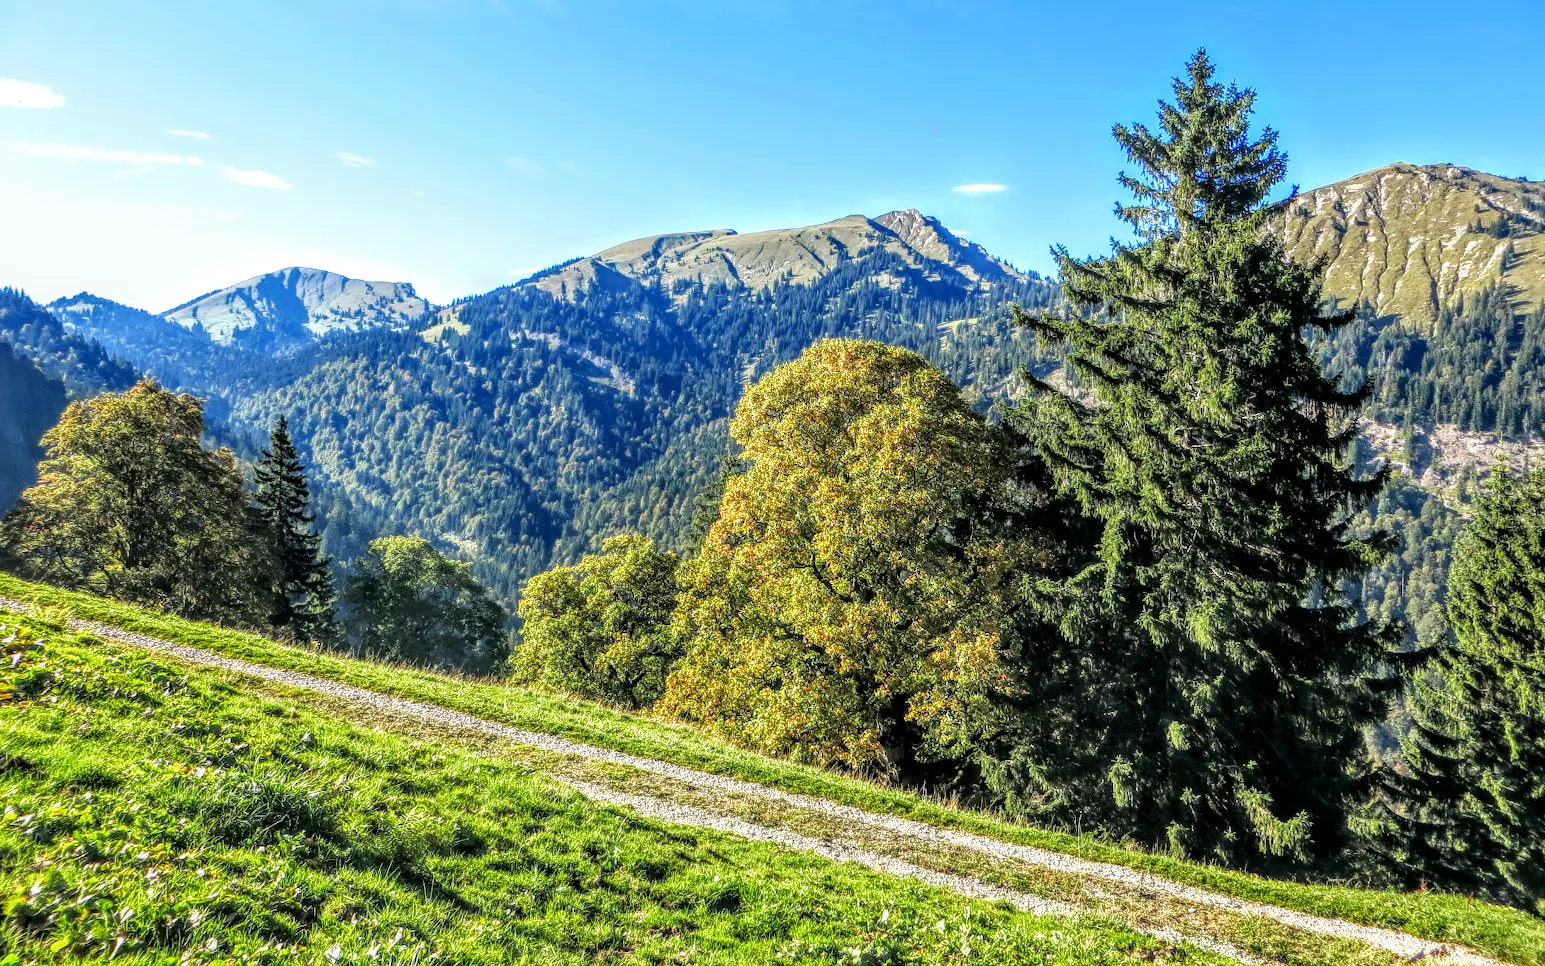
pixel 408 602
pixel 302 586
pixel 1471 810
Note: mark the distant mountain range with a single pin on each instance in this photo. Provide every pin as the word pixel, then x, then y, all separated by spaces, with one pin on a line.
pixel 520 426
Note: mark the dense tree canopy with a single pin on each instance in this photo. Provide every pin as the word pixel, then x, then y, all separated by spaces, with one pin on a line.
pixel 1472 807
pixel 1206 440
pixel 129 504
pixel 848 605
pixel 409 602
pixel 601 628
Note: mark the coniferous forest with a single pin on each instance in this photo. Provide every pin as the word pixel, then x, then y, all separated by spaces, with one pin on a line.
pixel 1106 552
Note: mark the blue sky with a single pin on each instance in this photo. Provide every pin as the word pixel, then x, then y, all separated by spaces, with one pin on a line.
pixel 459 144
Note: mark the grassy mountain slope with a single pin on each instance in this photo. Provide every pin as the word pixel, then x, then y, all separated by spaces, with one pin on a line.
pixel 157 813
pixel 1507 934
pixel 1411 239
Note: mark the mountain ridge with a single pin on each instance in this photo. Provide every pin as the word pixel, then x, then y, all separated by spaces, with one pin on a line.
pixel 757 260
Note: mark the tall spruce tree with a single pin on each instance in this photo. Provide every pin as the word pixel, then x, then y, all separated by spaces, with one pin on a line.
pixel 1473 809
pixel 302 590
pixel 1227 679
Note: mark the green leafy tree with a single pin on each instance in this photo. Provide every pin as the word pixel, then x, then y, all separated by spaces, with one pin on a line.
pixel 1473 809
pixel 601 628
pixel 849 604
pixel 409 602
pixel 302 591
pixel 1230 680
pixel 129 504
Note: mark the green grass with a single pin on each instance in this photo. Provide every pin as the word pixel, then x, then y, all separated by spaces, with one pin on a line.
pixel 158 814
pixel 1504 933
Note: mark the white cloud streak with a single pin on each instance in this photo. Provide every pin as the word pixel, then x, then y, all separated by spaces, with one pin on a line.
pixel 75 152
pixel 349 160
pixel 525 166
pixel 979 189
pixel 28 96
pixel 254 179
pixel 199 135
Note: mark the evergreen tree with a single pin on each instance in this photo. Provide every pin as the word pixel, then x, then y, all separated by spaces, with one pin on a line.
pixel 1473 809
pixel 1227 677
pixel 302 590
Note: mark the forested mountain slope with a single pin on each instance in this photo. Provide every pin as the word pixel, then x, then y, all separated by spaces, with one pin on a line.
pixel 521 426
pixel 538 422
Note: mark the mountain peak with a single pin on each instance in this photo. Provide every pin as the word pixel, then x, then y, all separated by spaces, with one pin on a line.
pixel 763 258
pixel 1410 239
pixel 298 304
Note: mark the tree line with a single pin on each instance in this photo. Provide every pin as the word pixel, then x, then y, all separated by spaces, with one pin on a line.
pixel 131 504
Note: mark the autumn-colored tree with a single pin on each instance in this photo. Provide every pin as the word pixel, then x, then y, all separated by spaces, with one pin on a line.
pixel 129 504
pixel 849 604
pixel 601 628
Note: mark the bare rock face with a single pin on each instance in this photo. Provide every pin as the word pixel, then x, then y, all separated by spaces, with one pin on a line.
pixel 298 305
pixel 762 259
pixel 1411 239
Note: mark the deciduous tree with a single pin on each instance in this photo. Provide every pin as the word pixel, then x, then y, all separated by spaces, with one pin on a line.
pixel 849 605
pixel 409 602
pixel 129 504
pixel 601 628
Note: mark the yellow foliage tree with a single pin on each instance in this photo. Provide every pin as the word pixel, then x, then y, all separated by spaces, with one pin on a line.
pixel 850 604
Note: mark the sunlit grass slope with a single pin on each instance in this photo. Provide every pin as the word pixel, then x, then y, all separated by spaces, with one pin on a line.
pixel 1505 933
pixel 156 813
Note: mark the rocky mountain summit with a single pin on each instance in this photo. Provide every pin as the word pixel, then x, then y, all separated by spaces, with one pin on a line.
pixel 297 305
pixel 761 259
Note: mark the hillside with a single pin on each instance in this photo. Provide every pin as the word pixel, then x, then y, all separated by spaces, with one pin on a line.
pixel 297 305
pixel 332 816
pixel 1411 240
pixel 155 813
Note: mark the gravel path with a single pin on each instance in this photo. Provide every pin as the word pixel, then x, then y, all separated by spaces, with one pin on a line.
pixel 1402 944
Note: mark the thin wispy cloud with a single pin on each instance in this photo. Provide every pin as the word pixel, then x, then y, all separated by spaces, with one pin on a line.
pixel 349 160
pixel 28 96
pixel 198 135
pixel 79 152
pixel 979 189
pixel 254 179
pixel 523 165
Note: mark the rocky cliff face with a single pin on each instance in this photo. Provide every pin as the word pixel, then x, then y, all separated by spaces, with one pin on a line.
pixel 1409 239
